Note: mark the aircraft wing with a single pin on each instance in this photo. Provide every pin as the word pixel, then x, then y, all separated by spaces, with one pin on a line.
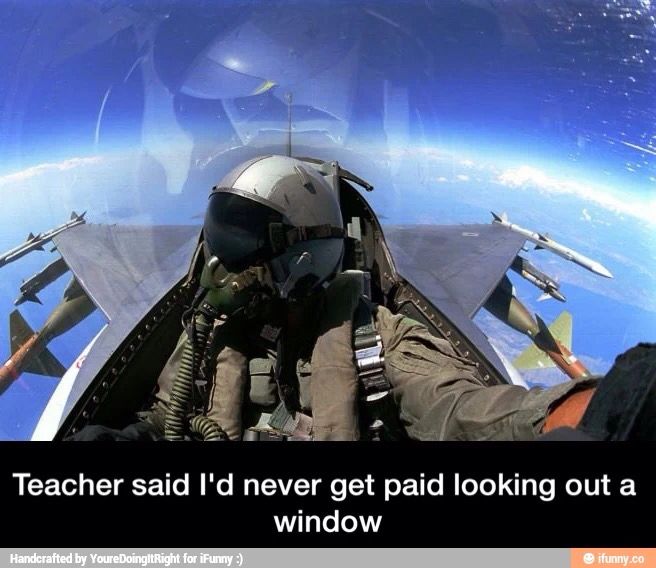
pixel 125 270
pixel 456 267
pixel 465 262
pixel 112 262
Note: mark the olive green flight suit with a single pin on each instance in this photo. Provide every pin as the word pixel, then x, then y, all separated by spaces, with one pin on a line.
pixel 438 394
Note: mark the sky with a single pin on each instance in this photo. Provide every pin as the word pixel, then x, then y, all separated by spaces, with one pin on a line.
pixel 547 110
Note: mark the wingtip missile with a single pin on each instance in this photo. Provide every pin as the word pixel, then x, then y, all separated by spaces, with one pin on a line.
pixel 36 242
pixel 600 269
pixel 544 241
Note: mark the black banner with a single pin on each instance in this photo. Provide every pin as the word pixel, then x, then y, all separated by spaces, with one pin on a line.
pixel 299 494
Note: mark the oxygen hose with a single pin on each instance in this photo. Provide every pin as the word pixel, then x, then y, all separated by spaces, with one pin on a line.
pixel 180 399
pixel 207 428
pixel 232 294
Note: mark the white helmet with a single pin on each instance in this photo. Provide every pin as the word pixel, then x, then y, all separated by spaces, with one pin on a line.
pixel 279 211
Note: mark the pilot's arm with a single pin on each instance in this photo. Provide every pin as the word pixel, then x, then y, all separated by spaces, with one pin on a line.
pixel 440 396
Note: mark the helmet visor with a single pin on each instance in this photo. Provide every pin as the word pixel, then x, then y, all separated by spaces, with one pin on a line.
pixel 236 230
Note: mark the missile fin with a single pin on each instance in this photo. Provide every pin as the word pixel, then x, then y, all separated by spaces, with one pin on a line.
pixel 45 364
pixel 561 329
pixel 19 331
pixel 533 358
pixel 503 218
pixel 27 298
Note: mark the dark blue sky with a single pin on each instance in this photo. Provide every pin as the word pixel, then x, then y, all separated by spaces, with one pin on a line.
pixel 571 79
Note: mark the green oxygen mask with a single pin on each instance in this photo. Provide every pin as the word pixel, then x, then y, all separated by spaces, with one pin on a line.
pixel 230 292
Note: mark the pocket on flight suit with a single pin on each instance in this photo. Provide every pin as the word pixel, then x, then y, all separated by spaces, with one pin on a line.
pixel 263 391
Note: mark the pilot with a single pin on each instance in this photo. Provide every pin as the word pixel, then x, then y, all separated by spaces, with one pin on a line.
pixel 285 344
pixel 280 342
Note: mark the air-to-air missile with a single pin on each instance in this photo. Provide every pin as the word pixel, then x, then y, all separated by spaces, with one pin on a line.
pixel 33 285
pixel 554 341
pixel 545 242
pixel 29 348
pixel 36 242
pixel 538 278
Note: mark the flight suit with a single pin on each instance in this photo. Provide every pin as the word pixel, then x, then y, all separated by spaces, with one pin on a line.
pixel 438 395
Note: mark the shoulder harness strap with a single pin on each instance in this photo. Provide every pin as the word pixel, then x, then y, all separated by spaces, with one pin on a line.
pixel 378 406
pixel 368 346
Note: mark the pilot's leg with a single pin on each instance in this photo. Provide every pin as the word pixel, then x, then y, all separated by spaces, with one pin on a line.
pixel 440 396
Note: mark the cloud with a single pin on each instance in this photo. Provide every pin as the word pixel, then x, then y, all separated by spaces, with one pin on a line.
pixel 528 176
pixel 47 168
pixel 585 216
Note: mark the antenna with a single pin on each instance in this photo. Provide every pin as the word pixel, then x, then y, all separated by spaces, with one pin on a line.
pixel 288 100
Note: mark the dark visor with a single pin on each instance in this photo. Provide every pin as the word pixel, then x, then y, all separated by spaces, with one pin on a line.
pixel 236 230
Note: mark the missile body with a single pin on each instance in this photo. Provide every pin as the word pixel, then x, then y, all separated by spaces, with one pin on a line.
pixel 504 305
pixel 36 242
pixel 545 242
pixel 33 285
pixel 74 307
pixel 538 278
pixel 32 354
pixel 32 242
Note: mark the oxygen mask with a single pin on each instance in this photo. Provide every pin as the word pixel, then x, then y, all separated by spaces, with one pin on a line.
pixel 229 293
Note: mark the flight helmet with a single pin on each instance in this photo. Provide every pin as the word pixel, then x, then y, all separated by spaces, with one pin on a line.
pixel 278 212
